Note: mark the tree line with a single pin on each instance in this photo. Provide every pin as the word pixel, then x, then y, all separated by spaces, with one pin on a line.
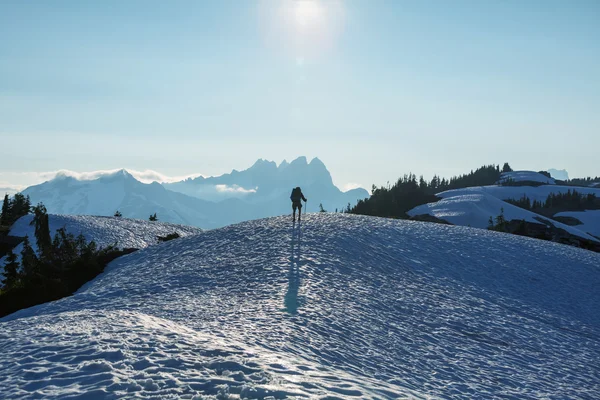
pixel 15 208
pixel 571 200
pixel 409 192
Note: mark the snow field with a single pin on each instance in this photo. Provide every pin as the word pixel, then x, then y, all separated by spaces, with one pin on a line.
pixel 353 307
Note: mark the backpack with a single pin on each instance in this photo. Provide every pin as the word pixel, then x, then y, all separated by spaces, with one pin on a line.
pixel 296 194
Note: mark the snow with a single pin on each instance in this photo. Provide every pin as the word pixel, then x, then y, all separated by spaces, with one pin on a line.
pixel 539 193
pixel 589 218
pixel 474 206
pixel 352 306
pixel 529 176
pixel 105 231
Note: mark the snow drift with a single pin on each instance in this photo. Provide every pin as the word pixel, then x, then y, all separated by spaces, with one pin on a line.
pixel 353 307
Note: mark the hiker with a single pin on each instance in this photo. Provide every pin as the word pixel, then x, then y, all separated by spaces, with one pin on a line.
pixel 297 198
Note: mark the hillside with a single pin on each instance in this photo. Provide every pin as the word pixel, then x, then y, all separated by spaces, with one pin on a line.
pixel 525 177
pixel 474 206
pixel 105 231
pixel 353 307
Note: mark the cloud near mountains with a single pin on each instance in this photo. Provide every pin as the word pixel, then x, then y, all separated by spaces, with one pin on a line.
pixel 13 182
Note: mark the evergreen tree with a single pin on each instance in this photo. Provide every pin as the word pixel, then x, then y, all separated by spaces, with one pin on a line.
pixel 501 221
pixel 321 209
pixel 153 217
pixel 507 168
pixel 11 271
pixel 29 260
pixel 490 223
pixel 5 216
pixel 118 214
pixel 42 231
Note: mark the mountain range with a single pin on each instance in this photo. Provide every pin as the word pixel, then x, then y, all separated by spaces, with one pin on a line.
pixel 260 191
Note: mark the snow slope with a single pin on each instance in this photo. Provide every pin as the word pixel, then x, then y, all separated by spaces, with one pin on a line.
pixel 473 208
pixel 353 307
pixel 105 231
pixel 539 193
pixel 590 219
pixel 526 176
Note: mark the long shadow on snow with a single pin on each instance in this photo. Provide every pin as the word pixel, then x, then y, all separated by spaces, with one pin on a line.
pixel 291 301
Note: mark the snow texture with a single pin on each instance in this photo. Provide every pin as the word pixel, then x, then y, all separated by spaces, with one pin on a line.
pixel 589 218
pixel 346 307
pixel 526 176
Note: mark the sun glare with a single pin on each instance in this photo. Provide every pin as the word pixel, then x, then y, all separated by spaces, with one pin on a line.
pixel 307 12
pixel 306 29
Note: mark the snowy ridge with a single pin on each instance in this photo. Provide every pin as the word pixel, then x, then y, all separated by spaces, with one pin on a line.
pixel 106 231
pixel 539 193
pixel 474 206
pixel 526 176
pixel 353 307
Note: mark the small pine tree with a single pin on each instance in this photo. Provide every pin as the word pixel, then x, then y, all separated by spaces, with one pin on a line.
pixel 118 214
pixel 501 221
pixel 153 217
pixel 5 216
pixel 507 168
pixel 321 209
pixel 11 271
pixel 491 223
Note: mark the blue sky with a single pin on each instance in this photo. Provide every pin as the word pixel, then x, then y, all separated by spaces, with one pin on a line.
pixel 375 89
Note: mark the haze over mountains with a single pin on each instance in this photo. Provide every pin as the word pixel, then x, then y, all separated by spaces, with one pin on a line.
pixel 260 191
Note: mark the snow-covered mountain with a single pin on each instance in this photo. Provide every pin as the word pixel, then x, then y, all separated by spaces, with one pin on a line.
pixel 347 307
pixel 265 182
pixel 260 191
pixel 119 191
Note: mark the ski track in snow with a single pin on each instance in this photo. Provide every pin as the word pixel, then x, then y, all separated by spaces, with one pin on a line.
pixel 348 307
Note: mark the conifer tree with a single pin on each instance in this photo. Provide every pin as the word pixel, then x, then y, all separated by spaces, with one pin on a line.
pixel 153 217
pixel 5 216
pixel 11 271
pixel 42 231
pixel 118 214
pixel 29 260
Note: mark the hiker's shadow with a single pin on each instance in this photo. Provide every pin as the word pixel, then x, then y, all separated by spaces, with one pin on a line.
pixel 291 300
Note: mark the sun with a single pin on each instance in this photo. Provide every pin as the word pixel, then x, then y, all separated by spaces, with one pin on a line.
pixel 307 12
pixel 305 29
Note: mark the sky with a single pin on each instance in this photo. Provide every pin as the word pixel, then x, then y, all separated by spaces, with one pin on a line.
pixel 375 89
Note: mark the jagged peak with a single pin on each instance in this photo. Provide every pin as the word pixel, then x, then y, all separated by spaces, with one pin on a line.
pixel 300 160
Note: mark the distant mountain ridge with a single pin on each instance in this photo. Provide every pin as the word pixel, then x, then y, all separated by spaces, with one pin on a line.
pixel 265 182
pixel 259 191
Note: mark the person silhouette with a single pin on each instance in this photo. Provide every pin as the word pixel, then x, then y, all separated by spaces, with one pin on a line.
pixel 297 198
